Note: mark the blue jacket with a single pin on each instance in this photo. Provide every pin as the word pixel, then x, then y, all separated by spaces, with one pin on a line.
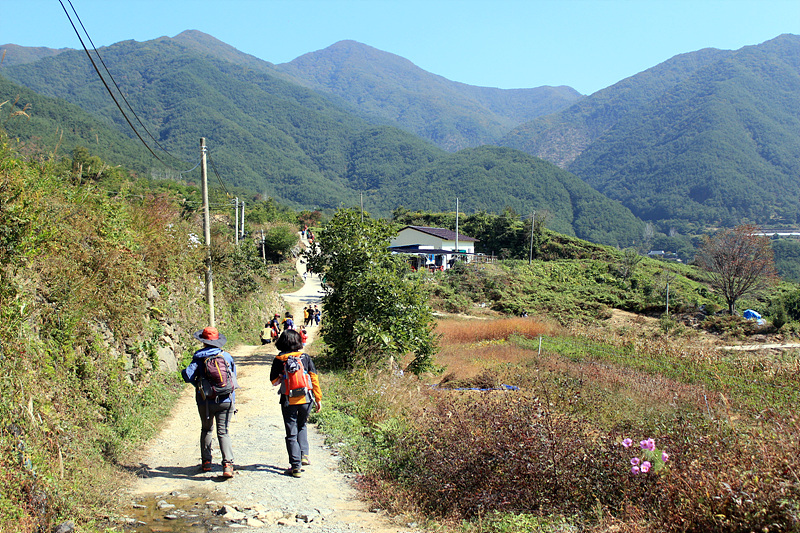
pixel 195 369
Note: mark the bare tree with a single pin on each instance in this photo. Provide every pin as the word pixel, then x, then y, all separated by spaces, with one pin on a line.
pixel 739 261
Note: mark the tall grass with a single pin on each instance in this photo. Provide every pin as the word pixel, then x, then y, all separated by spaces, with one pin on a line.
pixel 473 331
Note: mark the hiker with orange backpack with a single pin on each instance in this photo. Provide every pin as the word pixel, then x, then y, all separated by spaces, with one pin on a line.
pixel 299 390
pixel 213 373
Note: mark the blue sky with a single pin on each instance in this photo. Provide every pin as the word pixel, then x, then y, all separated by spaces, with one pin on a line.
pixel 586 44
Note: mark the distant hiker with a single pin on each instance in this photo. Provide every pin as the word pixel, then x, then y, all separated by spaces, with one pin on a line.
pixel 275 326
pixel 303 335
pixel 308 314
pixel 317 315
pixel 210 371
pixel 288 322
pixel 294 371
pixel 266 334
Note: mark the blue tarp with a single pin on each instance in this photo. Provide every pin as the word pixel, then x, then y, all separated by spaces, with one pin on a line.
pixel 752 315
pixel 502 387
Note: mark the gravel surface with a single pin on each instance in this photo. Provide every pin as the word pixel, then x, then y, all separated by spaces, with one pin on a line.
pixel 259 497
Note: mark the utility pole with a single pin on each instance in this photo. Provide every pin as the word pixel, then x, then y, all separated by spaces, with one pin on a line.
pixel 242 220
pixel 456 228
pixel 533 222
pixel 263 248
pixel 207 231
pixel 362 208
pixel 236 228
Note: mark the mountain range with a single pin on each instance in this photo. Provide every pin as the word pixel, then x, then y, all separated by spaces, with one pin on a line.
pixel 704 139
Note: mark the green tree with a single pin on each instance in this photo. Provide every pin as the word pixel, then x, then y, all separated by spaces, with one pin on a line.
pixel 279 241
pixel 738 261
pixel 373 310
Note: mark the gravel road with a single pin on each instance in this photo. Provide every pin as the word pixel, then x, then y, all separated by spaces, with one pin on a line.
pixel 259 498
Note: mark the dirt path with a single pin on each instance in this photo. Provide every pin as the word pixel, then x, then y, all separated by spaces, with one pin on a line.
pixel 264 498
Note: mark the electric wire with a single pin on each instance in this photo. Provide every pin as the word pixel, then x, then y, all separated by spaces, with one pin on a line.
pixel 116 102
pixel 122 94
pixel 214 168
pixel 111 93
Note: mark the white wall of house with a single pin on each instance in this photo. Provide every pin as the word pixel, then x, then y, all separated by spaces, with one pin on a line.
pixel 410 237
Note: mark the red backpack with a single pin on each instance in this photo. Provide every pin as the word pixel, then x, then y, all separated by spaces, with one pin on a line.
pixel 295 380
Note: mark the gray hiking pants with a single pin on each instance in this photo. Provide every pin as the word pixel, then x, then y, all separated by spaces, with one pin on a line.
pixel 222 414
pixel 294 420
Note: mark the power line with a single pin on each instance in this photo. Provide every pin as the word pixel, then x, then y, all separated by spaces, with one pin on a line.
pixel 115 82
pixel 111 93
pixel 122 94
pixel 214 168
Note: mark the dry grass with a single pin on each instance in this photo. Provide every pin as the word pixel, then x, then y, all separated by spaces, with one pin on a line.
pixel 472 331
pixel 470 347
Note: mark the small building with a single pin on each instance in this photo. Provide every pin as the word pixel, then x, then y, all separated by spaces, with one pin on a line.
pixel 433 248
pixel 664 256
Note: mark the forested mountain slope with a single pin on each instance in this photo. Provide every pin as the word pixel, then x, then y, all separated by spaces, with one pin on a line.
pixel 12 54
pixel 48 125
pixel 265 134
pixel 704 139
pixel 721 147
pixel 285 141
pixel 560 137
pixel 386 87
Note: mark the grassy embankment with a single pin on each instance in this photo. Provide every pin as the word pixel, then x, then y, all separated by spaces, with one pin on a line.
pixel 92 285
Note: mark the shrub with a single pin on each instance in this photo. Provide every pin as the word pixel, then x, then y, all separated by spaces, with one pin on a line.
pixel 509 452
pixel 734 479
pixel 731 325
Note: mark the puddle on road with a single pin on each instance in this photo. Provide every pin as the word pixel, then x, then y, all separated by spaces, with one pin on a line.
pixel 175 513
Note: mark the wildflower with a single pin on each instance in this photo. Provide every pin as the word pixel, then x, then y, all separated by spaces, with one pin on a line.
pixel 650 459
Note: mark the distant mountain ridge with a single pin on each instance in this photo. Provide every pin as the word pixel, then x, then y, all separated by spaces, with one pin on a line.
pixel 562 136
pixel 12 54
pixel 390 88
pixel 282 140
pixel 720 147
pixel 704 139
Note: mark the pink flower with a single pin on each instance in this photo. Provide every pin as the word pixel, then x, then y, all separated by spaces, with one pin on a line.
pixel 648 444
pixel 627 443
pixel 646 466
pixel 664 456
pixel 635 461
pixel 635 470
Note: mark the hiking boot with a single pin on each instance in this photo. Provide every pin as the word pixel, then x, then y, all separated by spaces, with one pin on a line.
pixel 294 472
pixel 305 461
pixel 206 466
pixel 227 470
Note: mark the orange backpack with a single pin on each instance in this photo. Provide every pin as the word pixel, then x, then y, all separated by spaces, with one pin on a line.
pixel 295 380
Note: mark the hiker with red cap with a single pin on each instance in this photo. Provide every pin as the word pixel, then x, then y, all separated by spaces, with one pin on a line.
pixel 213 372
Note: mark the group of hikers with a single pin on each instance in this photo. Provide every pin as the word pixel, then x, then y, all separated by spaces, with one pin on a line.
pixel 213 372
pixel 311 316
pixel 306 233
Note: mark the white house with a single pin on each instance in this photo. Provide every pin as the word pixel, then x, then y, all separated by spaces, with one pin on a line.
pixel 433 247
